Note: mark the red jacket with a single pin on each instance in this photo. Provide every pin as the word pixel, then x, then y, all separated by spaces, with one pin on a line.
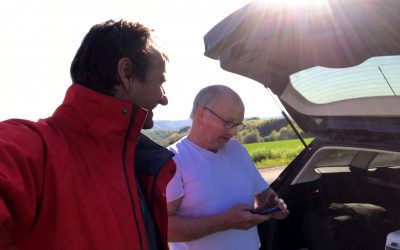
pixel 69 181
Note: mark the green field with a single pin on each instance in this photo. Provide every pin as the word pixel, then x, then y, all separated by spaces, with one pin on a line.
pixel 275 153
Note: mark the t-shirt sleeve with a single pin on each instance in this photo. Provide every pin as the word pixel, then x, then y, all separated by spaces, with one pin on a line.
pixel 175 186
pixel 260 184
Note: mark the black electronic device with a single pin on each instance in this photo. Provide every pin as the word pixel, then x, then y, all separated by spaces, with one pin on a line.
pixel 266 211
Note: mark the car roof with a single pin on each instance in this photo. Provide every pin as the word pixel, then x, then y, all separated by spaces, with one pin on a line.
pixel 283 46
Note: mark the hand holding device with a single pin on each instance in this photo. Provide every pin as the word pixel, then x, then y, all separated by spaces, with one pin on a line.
pixel 266 211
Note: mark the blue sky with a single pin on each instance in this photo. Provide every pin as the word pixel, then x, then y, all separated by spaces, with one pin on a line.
pixel 40 38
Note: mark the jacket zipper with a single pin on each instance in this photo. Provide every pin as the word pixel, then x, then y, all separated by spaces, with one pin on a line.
pixel 127 176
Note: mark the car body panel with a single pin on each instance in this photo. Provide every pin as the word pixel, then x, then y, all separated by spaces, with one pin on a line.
pixel 270 43
pixel 333 203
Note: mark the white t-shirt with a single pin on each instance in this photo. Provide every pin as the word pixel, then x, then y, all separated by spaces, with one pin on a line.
pixel 211 183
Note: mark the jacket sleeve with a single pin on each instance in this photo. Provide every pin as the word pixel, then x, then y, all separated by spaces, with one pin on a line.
pixel 21 175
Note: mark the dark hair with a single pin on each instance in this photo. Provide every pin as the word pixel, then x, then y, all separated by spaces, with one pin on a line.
pixel 95 63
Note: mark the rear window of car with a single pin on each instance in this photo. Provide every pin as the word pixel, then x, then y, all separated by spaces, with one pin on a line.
pixel 335 161
pixel 377 76
pixel 339 161
pixel 337 158
pixel 385 160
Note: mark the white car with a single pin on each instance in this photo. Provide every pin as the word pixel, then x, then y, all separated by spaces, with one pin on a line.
pixel 335 67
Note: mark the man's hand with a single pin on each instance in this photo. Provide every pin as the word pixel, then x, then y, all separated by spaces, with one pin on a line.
pixel 240 217
pixel 180 228
pixel 268 198
pixel 283 212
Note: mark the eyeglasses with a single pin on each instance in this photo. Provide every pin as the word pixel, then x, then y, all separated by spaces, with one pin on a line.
pixel 227 124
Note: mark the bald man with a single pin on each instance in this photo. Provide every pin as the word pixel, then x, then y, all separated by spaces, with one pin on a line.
pixel 216 190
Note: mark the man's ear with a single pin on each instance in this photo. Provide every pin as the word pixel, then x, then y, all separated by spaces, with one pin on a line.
pixel 199 116
pixel 124 72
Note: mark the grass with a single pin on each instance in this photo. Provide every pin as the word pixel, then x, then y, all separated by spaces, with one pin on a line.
pixel 275 153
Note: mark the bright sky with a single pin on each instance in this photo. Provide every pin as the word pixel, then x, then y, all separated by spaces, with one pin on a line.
pixel 39 39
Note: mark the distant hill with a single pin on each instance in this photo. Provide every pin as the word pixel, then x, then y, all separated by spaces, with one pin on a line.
pixel 179 124
pixel 171 124
pixel 257 130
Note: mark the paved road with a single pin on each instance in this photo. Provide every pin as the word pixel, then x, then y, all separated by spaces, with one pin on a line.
pixel 270 174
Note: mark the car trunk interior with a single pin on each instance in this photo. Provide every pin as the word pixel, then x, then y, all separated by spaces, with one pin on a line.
pixel 348 196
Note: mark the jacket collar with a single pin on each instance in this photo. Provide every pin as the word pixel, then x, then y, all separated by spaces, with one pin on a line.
pixel 97 113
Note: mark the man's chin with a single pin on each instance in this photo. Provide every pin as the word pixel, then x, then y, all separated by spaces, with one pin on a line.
pixel 148 123
pixel 222 143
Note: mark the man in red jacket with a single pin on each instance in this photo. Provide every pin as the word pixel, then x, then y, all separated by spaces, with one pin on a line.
pixel 86 178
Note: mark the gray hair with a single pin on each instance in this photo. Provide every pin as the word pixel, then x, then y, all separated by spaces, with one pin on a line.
pixel 208 96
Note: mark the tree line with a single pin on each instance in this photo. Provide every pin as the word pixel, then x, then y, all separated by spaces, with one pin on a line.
pixel 256 130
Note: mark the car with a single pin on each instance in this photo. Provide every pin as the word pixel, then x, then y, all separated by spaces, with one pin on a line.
pixel 335 67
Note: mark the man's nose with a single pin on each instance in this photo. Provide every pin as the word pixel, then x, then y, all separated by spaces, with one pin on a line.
pixel 164 99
